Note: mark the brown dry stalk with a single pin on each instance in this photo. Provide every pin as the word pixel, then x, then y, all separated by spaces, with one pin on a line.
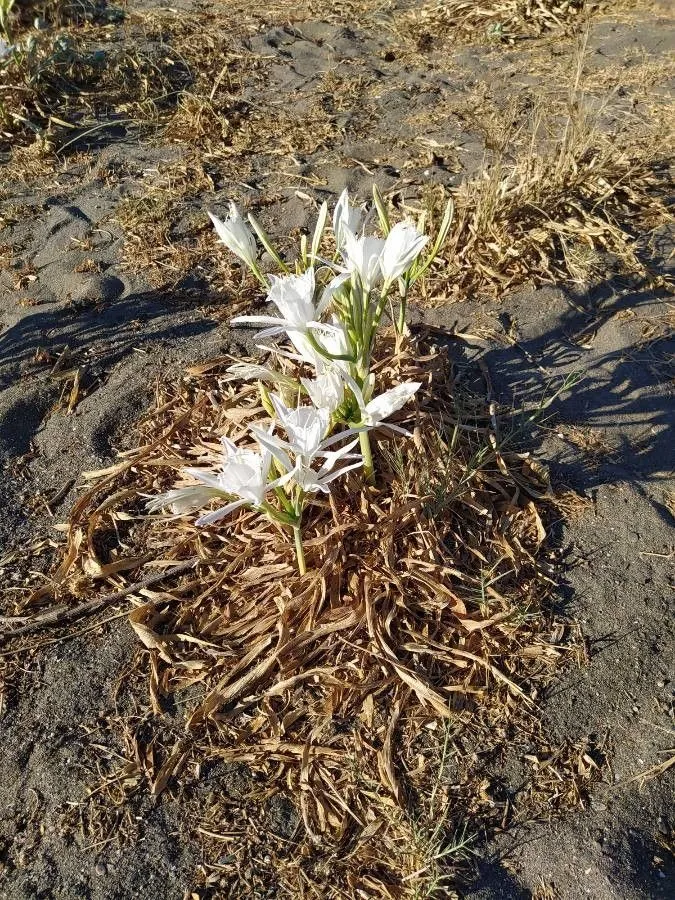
pixel 61 616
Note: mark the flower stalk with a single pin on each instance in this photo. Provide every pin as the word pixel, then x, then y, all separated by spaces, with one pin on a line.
pixel 367 454
pixel 299 550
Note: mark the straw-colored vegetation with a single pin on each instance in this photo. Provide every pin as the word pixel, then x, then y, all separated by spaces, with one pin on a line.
pixel 358 691
pixel 559 191
pixel 570 198
pixel 505 20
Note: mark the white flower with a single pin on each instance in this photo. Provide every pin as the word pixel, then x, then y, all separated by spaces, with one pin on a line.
pixel 305 428
pixel 257 372
pixel 332 339
pixel 293 296
pixel 380 408
pixel 312 482
pixel 335 341
pixel 236 235
pixel 243 475
pixel 327 390
pixel 183 500
pixel 333 287
pixel 403 245
pixel 376 410
pixel 346 219
pixel 362 256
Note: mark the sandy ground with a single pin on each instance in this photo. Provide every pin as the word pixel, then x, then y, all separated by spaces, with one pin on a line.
pixel 610 439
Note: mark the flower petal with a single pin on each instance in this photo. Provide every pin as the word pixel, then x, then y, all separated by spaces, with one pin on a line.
pixel 384 405
pixel 346 218
pixel 403 245
pixel 274 445
pixel 236 235
pixel 182 500
pixel 218 514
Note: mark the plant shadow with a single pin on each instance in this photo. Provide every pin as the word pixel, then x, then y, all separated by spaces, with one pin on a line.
pixel 618 346
pixel 99 335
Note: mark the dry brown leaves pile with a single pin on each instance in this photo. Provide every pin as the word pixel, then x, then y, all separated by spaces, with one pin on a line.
pixel 506 20
pixel 381 693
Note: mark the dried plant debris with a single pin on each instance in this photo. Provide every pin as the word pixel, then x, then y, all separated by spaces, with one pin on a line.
pixel 66 88
pixel 565 209
pixel 61 13
pixel 371 702
pixel 119 70
pixel 505 20
pixel 161 233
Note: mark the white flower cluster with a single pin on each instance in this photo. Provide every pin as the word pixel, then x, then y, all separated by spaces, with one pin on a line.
pixel 329 311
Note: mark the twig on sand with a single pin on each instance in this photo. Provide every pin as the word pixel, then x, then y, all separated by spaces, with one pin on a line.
pixel 651 773
pixel 61 615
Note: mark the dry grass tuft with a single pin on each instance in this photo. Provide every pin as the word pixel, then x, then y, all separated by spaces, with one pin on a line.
pixel 592 442
pixel 380 694
pixel 503 20
pixel 68 86
pixel 150 221
pixel 570 205
pixel 61 13
pixel 168 233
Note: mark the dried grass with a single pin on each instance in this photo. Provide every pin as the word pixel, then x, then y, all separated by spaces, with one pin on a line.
pixel 560 202
pixel 503 20
pixel 150 221
pixel 61 13
pixel 75 83
pixel 592 442
pixel 380 693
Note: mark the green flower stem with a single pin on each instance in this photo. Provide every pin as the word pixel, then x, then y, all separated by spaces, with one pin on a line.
pixel 259 275
pixel 297 530
pixel 367 453
pixel 400 325
pixel 404 287
pixel 299 551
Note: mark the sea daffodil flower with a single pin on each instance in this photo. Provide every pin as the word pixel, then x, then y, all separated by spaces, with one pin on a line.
pixel 257 372
pixel 244 475
pixel 374 412
pixel 305 427
pixel 237 236
pixel 330 350
pixel 312 482
pixel 347 219
pixel 293 296
pixel 183 500
pixel 361 255
pixel 403 245
pixel 327 390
